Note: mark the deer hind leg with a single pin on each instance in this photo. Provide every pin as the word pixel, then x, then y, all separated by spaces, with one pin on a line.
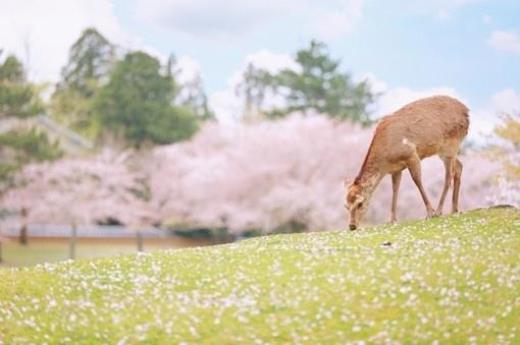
pixel 396 181
pixel 414 165
pixel 456 186
pixel 449 165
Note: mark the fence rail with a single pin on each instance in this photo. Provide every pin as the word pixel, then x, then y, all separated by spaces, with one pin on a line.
pixel 90 231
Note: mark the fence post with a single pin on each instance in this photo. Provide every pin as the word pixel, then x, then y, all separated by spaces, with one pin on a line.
pixel 139 237
pixel 23 238
pixel 72 243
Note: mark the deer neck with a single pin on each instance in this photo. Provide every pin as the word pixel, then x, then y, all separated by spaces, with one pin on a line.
pixel 369 180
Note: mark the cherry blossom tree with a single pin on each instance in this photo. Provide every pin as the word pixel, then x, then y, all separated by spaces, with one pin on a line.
pixel 271 176
pixel 80 191
pixel 284 175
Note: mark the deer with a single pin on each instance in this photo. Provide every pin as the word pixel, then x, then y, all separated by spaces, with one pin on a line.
pixel 430 126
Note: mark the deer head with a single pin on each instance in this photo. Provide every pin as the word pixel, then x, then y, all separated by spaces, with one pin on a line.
pixel 358 196
pixel 356 204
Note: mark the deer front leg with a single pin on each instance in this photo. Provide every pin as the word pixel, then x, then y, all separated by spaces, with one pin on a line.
pixel 449 166
pixel 396 181
pixel 414 165
pixel 456 186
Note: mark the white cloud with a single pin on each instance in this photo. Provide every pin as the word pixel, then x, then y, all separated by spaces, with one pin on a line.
pixel 507 41
pixel 271 62
pixel 329 24
pixel 393 98
pixel 187 69
pixel 41 32
pixel 208 17
pixel 226 18
pixel 227 105
pixel 506 101
pixel 486 118
pixel 440 9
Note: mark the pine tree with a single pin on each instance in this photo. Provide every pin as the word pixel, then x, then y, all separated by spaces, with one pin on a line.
pixel 317 83
pixel 19 144
pixel 91 59
pixel 136 103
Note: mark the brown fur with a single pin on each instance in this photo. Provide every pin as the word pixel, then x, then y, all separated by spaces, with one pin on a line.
pixel 426 127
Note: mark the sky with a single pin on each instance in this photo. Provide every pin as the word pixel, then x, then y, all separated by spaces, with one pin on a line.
pixel 407 49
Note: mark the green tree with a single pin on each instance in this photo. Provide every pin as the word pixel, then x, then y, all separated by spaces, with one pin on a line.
pixel 91 59
pixel 17 97
pixel 190 94
pixel 137 103
pixel 193 97
pixel 23 146
pixel 19 100
pixel 317 84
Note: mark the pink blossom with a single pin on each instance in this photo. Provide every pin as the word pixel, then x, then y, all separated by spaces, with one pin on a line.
pixel 265 174
pixel 80 191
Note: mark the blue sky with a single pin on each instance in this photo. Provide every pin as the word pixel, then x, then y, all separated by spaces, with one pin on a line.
pixel 439 45
pixel 408 49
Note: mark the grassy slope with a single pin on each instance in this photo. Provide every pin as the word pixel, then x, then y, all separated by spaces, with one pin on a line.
pixel 455 278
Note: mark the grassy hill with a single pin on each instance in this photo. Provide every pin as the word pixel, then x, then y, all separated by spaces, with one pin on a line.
pixel 454 279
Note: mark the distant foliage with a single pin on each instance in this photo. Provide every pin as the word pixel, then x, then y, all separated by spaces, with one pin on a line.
pixel 91 58
pixel 507 152
pixel 190 93
pixel 130 99
pixel 317 84
pixel 136 103
pixel 255 86
pixel 19 144
pixel 23 146
pixel 18 97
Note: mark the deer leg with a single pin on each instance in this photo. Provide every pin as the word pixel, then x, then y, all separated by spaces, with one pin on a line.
pixel 456 186
pixel 414 165
pixel 449 166
pixel 396 181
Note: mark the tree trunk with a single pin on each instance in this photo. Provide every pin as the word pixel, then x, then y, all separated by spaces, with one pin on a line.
pixel 72 243
pixel 23 230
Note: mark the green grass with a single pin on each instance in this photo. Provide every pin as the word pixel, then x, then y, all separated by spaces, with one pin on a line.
pixel 452 280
